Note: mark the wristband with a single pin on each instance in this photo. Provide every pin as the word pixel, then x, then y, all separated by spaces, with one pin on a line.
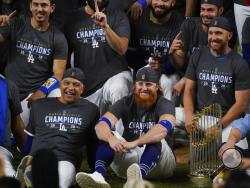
pixel 51 84
pixel 143 3
pixel 167 124
pixel 106 120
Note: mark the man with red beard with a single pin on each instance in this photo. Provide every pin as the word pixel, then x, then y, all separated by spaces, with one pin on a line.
pixel 217 74
pixel 142 151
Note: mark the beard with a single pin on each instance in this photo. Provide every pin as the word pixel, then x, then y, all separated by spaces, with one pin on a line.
pixel 101 5
pixel 144 103
pixel 162 14
pixel 220 46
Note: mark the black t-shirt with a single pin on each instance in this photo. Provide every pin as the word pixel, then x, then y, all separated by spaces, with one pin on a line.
pixel 14 109
pixel 136 121
pixel 150 39
pixel 217 79
pixel 192 35
pixel 92 52
pixel 32 54
pixel 63 128
pixel 123 5
pixel 63 8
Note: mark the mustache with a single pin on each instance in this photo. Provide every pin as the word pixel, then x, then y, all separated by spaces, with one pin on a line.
pixel 160 6
pixel 217 41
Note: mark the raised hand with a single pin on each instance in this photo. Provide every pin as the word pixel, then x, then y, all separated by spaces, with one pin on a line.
pixel 177 44
pixel 5 19
pixel 99 17
pixel 135 10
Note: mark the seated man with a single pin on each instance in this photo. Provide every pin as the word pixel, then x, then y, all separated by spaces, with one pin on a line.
pixel 10 121
pixel 62 125
pixel 217 74
pixel 147 118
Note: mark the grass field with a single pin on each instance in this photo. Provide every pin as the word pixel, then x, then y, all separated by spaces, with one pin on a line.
pixel 179 180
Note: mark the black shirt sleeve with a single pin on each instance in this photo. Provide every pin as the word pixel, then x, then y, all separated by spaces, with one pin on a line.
pixel 164 106
pixel 118 108
pixel 185 34
pixel 60 46
pixel 121 26
pixel 242 79
pixel 193 61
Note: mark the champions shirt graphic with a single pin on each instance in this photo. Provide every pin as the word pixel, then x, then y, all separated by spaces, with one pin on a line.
pixel 91 36
pixel 156 47
pixel 215 80
pixel 33 50
pixel 140 128
pixel 63 121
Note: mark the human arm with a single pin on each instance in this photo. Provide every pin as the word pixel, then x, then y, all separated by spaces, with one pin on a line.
pixel 179 87
pixel 190 8
pixel 238 108
pixel 18 131
pixel 137 7
pixel 117 42
pixel 104 133
pixel 58 70
pixel 155 134
pixel 188 101
pixel 176 53
pixel 5 21
pixel 234 137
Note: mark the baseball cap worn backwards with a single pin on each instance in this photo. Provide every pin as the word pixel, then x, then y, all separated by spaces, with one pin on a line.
pixel 221 22
pixel 218 3
pixel 147 74
pixel 75 73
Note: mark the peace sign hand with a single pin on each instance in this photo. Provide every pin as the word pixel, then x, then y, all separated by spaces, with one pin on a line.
pixel 99 17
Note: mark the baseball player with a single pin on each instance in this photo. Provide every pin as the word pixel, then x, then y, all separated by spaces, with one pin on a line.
pixel 217 74
pixel 38 53
pixel 63 125
pixel 142 151
pixel 98 36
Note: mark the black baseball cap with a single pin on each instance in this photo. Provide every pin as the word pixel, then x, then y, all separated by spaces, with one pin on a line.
pixel 218 3
pixel 147 74
pixel 221 22
pixel 75 73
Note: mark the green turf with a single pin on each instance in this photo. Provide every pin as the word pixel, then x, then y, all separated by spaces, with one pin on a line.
pixel 180 178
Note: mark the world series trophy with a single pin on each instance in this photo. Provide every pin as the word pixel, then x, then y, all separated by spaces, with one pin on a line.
pixel 205 140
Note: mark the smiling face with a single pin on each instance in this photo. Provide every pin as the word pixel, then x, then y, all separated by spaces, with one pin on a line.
pixel 41 10
pixel 71 90
pixel 208 12
pixel 218 39
pixel 145 93
pixel 161 8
